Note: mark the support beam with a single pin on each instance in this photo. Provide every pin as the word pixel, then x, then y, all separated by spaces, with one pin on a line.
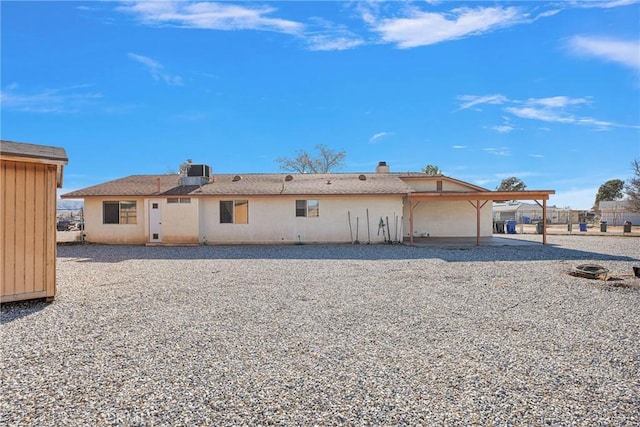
pixel 411 206
pixel 477 222
pixel 544 222
pixel 478 207
pixel 544 219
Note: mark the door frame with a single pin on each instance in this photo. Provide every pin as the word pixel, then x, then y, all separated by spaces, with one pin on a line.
pixel 155 220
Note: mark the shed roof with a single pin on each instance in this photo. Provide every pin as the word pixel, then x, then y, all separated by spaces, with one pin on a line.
pixel 34 151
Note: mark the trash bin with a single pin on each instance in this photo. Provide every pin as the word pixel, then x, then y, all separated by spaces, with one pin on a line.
pixel 626 227
pixel 539 227
pixel 603 226
pixel 569 226
pixel 583 226
pixel 511 227
pixel 498 227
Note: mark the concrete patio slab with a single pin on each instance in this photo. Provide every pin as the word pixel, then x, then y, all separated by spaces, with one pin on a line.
pixel 469 241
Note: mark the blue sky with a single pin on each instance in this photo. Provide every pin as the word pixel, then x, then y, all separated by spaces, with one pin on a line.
pixel 545 91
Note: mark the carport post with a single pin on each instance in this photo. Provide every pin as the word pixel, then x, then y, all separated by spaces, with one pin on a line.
pixel 544 219
pixel 544 222
pixel 411 206
pixel 478 206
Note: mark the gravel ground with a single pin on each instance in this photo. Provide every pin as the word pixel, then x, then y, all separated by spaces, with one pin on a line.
pixel 328 335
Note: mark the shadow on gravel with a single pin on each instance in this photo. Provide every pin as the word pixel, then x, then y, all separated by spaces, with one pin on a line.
pixel 118 253
pixel 10 311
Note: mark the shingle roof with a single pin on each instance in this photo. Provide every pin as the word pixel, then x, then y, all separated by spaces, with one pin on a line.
pixel 34 151
pixel 250 185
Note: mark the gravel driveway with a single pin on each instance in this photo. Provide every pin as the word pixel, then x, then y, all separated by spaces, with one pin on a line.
pixel 328 335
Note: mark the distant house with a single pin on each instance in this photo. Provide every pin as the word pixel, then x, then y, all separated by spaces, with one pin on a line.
pixel 199 207
pixel 618 212
pixel 523 213
pixel 530 213
pixel 30 175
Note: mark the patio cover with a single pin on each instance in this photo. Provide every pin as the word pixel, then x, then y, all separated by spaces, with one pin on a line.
pixel 478 199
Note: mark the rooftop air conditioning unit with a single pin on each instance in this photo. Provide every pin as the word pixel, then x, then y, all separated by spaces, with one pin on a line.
pixel 191 174
pixel 199 170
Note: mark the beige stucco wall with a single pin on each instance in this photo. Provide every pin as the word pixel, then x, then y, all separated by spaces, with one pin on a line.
pixel 97 232
pixel 448 219
pixel 430 184
pixel 180 221
pixel 273 220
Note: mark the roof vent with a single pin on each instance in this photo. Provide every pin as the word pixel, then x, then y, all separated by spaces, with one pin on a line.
pixel 362 177
pixel 382 167
pixel 288 178
pixel 236 178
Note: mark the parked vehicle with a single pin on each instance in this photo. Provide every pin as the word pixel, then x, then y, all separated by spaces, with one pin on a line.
pixel 63 224
pixel 76 226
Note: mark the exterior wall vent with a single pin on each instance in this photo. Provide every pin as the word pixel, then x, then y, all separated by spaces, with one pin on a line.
pixel 288 178
pixel 362 177
pixel 236 178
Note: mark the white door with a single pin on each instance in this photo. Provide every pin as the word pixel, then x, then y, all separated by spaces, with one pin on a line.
pixel 155 221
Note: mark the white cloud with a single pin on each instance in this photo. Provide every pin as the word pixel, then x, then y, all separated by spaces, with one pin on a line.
pixel 558 116
pixel 377 136
pixel 623 52
pixel 603 4
pixel 502 151
pixel 427 28
pixel 557 101
pixel 210 15
pixel 332 42
pixel 157 70
pixel 537 156
pixel 460 147
pixel 71 99
pixel 321 34
pixel 318 34
pixel 555 109
pixel 473 100
pixel 503 128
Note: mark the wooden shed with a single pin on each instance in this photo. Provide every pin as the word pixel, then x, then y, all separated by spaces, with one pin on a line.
pixel 29 177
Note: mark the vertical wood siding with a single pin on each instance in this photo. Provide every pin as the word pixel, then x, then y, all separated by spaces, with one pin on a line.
pixel 28 231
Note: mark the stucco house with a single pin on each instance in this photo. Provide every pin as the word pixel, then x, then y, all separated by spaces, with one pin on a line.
pixel 618 212
pixel 529 213
pixel 199 207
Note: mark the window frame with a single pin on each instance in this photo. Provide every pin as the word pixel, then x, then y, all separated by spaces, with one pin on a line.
pixel 234 211
pixel 126 213
pixel 178 200
pixel 311 208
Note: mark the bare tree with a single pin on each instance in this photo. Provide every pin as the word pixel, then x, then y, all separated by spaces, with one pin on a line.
pixel 633 187
pixel 327 160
